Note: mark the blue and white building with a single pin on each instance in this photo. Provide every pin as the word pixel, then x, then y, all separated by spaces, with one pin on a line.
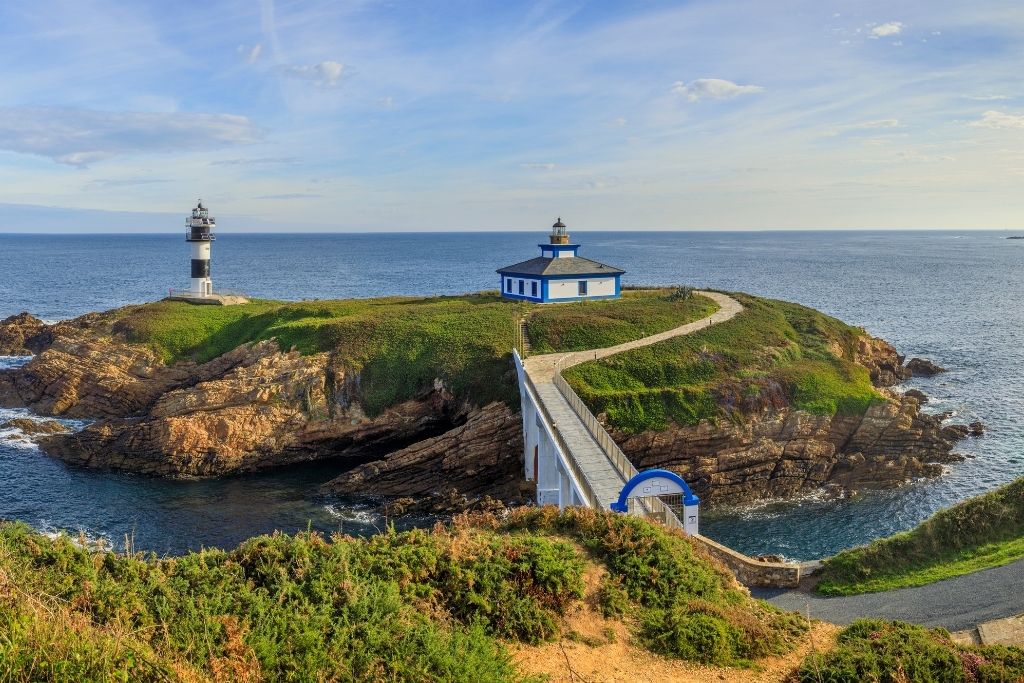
pixel 560 274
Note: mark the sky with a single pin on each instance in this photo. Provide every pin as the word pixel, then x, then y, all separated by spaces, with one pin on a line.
pixel 360 115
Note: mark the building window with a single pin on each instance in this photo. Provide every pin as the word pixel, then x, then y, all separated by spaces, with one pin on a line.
pixel 520 286
pixel 583 287
pixel 533 288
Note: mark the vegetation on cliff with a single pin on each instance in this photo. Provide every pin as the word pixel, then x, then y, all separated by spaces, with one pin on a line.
pixel 399 606
pixel 400 345
pixel 981 532
pixel 897 652
pixel 773 354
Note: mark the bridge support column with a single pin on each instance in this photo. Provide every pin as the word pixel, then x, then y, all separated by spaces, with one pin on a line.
pixel 531 441
pixel 564 490
pixel 548 477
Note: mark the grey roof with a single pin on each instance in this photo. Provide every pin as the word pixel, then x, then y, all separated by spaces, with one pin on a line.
pixel 569 265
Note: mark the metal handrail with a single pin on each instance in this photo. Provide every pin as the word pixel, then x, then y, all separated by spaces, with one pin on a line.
pixel 586 486
pixel 653 507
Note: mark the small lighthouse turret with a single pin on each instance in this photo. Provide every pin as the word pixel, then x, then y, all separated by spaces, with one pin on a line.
pixel 558 233
pixel 200 235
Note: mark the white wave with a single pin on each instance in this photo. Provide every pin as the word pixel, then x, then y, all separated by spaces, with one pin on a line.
pixel 84 538
pixel 353 514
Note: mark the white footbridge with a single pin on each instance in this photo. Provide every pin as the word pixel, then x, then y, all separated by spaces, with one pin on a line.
pixel 570 455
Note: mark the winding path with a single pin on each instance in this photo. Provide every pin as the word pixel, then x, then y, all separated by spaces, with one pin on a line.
pixel 955 604
pixel 541 367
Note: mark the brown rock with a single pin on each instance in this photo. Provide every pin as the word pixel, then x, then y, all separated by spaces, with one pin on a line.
pixel 920 367
pixel 785 453
pixel 917 395
pixel 34 427
pixel 481 457
pixel 18 334
pixel 880 358
pixel 977 428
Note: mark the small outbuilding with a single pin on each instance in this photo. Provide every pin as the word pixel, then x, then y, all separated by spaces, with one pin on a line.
pixel 560 274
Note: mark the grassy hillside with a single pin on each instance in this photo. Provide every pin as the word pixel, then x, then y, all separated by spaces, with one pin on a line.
pixel 418 605
pixel 981 532
pixel 401 344
pixel 772 354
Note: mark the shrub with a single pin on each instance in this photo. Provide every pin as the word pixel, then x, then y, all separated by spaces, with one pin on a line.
pixel 690 607
pixel 896 652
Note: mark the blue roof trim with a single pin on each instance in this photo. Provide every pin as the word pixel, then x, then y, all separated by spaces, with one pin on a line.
pixel 622 504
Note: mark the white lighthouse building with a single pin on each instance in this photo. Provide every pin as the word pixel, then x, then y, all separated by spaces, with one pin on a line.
pixel 200 235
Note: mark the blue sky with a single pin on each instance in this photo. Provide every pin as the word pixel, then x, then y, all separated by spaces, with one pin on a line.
pixel 425 115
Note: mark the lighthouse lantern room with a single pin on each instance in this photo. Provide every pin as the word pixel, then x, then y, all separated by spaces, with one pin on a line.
pixel 200 235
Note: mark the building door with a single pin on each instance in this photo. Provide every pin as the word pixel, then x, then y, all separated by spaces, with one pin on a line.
pixel 536 451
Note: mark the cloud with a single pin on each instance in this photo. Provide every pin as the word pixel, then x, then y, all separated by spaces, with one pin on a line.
pixel 866 125
pixel 325 73
pixel 547 166
pixel 257 161
pixel 712 89
pixel 125 182
pixel 998 120
pixel 290 195
pixel 251 54
pixel 986 98
pixel 79 137
pixel 892 28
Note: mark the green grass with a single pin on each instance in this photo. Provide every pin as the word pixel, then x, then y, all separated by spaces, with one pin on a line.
pixel 773 354
pixel 400 345
pixel 596 324
pixel 979 533
pixel 418 605
pixel 896 652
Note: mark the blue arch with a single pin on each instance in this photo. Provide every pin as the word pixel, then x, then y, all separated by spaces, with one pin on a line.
pixel 622 504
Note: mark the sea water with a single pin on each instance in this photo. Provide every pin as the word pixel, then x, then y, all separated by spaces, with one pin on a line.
pixel 953 297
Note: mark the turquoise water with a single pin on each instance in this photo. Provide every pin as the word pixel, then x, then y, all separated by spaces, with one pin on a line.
pixel 951 296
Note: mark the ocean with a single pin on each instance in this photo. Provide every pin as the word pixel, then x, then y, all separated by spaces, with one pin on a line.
pixel 953 297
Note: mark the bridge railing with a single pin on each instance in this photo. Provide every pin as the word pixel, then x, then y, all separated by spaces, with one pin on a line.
pixel 585 486
pixel 653 507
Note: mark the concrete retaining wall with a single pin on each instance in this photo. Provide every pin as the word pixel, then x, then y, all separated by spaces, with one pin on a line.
pixel 751 572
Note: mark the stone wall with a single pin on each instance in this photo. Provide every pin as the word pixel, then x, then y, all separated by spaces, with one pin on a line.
pixel 751 572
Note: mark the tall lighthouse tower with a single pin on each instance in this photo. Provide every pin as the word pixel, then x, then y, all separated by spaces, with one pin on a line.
pixel 200 235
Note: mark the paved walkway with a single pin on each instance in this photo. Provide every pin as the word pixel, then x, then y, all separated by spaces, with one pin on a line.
pixel 540 367
pixel 602 476
pixel 955 604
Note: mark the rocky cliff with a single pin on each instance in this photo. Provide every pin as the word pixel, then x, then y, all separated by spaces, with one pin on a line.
pixel 258 407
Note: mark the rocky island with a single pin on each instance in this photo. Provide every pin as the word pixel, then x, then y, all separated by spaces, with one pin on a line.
pixel 419 397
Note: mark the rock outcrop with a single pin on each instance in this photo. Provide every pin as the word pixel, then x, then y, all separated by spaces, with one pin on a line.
pixel 18 334
pixel 880 358
pixel 31 427
pixel 479 458
pixel 921 367
pixel 786 453
pixel 770 451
